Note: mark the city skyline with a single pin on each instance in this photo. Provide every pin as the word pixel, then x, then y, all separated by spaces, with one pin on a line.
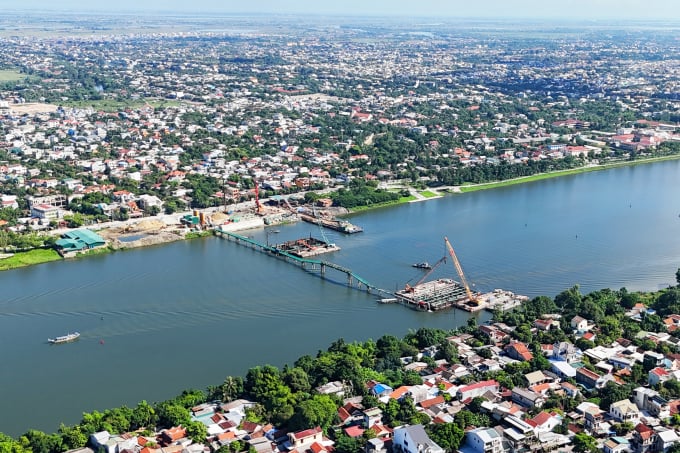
pixel 601 10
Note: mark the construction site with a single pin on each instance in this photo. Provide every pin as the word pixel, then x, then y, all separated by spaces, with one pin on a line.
pixel 307 247
pixel 445 293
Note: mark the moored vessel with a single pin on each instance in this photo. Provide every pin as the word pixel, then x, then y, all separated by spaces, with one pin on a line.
pixel 64 338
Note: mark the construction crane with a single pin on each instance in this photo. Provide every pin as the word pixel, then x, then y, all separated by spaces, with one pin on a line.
pixel 410 288
pixel 258 206
pixel 471 297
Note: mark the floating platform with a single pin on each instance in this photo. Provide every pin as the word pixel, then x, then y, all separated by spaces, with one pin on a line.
pixel 306 247
pixel 503 300
pixel 447 293
pixel 433 295
pixel 342 226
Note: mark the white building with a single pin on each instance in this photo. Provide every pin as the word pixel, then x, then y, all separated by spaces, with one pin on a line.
pixel 414 439
pixel 484 440
pixel 625 411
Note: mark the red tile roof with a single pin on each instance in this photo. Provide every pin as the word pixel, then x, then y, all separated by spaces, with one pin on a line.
pixel 432 402
pixel 354 431
pixel 541 418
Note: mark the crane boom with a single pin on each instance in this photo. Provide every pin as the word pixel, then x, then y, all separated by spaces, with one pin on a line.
pixel 459 269
pixel 258 206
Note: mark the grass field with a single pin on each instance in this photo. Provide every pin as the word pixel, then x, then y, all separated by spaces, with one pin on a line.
pixel 10 75
pixel 29 258
pixel 428 194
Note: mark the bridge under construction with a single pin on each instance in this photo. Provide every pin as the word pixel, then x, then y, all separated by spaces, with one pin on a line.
pixel 312 265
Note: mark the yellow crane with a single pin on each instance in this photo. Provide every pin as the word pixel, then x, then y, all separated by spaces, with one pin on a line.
pixel 471 297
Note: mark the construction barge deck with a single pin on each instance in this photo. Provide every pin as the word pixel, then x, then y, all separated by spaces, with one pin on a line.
pixel 342 226
pixel 434 295
pixel 306 247
pixel 446 293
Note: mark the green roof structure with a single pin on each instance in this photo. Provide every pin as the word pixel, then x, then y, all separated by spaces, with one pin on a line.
pixel 77 240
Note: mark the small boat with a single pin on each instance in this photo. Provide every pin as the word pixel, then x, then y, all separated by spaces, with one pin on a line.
pixel 64 339
pixel 423 265
pixel 387 300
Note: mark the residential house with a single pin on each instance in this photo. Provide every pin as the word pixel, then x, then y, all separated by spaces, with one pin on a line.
pixel 372 417
pixel 527 398
pixel 546 324
pixel 536 377
pixel 332 388
pixel 477 389
pixel 519 351
pixel 665 439
pixel 652 359
pixel 658 375
pixel 493 333
pixel 594 420
pixel 589 379
pixel 616 445
pixel 377 445
pixel 570 389
pixel 378 389
pixel 625 411
pixel 566 352
pixel 484 440
pixel 579 324
pixel 643 439
pixel 544 422
pixel 172 435
pixel 649 400
pixel 304 438
pixel 103 441
pixel 414 439
pixel 562 369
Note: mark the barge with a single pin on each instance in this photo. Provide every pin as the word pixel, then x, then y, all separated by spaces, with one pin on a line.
pixel 306 247
pixel 434 295
pixel 342 226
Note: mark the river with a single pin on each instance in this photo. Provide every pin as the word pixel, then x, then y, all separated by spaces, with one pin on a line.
pixel 158 320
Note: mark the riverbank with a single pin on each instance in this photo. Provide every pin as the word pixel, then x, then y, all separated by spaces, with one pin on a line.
pixel 434 193
pixel 558 173
pixel 23 259
pixel 155 232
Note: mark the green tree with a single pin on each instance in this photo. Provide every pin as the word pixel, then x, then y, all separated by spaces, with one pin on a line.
pixel 321 411
pixel 196 431
pixel 143 416
pixel 584 443
pixel 231 388
pixel 346 444
pixel 172 414
pixel 297 379
pixel 72 436
pixel 447 435
pixel 39 442
pixel 9 445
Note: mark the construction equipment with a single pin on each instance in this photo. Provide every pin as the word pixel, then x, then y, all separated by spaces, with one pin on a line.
pixel 471 297
pixel 259 210
pixel 410 288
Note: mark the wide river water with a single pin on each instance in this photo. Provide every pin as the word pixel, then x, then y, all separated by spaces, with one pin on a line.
pixel 158 320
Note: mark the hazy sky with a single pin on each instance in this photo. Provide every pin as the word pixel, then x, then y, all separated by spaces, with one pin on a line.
pixel 570 9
